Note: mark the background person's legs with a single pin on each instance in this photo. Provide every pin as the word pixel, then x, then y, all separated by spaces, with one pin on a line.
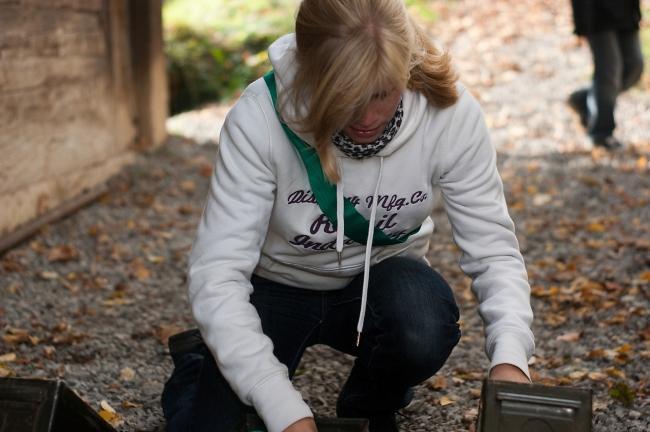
pixel 607 83
pixel 630 47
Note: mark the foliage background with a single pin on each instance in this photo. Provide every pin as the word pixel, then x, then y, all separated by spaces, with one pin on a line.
pixel 215 48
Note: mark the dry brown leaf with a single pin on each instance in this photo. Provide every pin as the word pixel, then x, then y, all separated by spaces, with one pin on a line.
pixel 117 302
pixel 205 170
pixel 624 349
pixel 127 374
pixel 16 336
pixel 48 275
pixel 555 319
pixel 578 375
pixel 4 372
pixel 139 270
pixel 444 401
pixel 6 358
pixel 438 382
pixel 597 376
pixel 596 354
pixel 188 186
pixel 109 414
pixel 163 332
pixel 14 288
pixel 540 291
pixel 49 351
pixel 615 373
pixel 156 259
pixel 129 405
pixel 62 253
pixel 569 336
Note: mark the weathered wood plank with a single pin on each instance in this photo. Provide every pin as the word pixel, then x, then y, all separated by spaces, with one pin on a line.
pixel 41 197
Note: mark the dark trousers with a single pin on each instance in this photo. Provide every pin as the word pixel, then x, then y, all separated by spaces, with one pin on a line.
pixel 618 65
pixel 410 329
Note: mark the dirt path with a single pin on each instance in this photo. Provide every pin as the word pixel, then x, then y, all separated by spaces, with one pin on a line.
pixel 92 298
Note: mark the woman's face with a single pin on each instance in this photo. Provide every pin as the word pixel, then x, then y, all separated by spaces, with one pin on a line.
pixel 373 122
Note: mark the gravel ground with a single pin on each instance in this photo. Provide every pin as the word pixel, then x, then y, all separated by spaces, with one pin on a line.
pixel 92 298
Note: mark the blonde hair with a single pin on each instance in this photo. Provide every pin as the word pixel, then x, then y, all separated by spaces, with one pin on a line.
pixel 349 50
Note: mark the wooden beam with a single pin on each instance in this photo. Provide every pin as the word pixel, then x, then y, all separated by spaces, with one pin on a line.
pixel 70 206
pixel 149 72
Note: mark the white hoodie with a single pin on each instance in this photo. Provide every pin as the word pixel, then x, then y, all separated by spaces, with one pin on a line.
pixel 260 217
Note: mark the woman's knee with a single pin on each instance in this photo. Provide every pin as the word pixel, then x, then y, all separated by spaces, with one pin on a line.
pixel 425 344
pixel 420 314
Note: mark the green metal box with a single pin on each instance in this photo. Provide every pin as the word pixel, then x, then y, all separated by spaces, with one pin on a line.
pixel 32 405
pixel 514 407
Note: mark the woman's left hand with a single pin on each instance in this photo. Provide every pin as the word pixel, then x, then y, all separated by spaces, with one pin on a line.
pixel 508 372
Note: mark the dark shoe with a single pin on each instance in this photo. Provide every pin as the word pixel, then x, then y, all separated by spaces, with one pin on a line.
pixel 578 103
pixel 189 341
pixel 377 421
pixel 608 143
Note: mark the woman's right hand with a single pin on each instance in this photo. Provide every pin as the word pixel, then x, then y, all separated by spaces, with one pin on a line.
pixel 306 424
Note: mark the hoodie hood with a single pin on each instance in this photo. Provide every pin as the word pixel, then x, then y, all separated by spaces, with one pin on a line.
pixel 282 54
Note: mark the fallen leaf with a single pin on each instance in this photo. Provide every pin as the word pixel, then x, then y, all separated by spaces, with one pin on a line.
pixel 597 376
pixel 4 372
pixel 48 275
pixel 188 186
pixel 615 373
pixel 62 253
pixel 555 319
pixel 577 375
pixel 14 288
pixel 16 336
pixel 117 302
pixel 139 270
pixel 569 337
pixel 596 354
pixel 127 374
pixel 49 351
pixel 163 332
pixel 444 401
pixel 624 349
pixel 106 407
pixel 129 405
pixel 438 382
pixel 205 170
pixel 156 259
pixel 6 358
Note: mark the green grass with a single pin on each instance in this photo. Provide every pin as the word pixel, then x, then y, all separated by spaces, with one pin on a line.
pixel 214 48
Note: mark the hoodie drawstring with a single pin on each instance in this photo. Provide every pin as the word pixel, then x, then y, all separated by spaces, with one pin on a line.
pixel 366 266
pixel 371 233
pixel 340 221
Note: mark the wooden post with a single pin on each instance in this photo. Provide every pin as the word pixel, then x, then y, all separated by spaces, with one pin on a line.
pixel 149 72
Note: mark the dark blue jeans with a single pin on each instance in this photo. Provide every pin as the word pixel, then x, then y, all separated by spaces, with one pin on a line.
pixel 618 65
pixel 410 329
